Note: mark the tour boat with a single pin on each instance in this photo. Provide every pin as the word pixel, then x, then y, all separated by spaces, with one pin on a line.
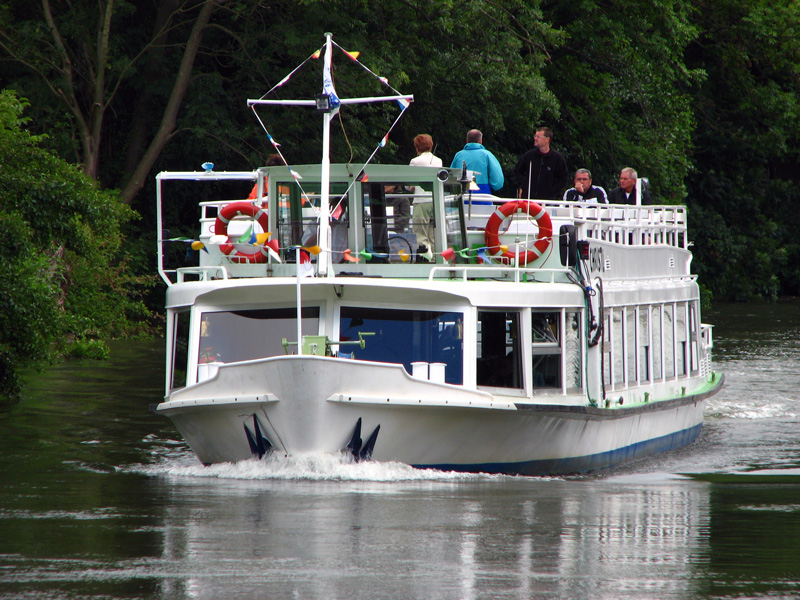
pixel 391 313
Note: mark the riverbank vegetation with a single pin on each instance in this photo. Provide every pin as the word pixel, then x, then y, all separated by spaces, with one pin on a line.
pixel 700 96
pixel 65 285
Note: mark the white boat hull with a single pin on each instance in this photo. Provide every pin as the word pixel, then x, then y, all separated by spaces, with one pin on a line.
pixel 312 404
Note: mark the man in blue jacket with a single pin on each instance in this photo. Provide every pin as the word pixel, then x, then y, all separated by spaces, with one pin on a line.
pixel 487 169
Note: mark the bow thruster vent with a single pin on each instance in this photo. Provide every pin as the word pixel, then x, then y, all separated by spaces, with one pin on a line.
pixel 259 445
pixel 358 450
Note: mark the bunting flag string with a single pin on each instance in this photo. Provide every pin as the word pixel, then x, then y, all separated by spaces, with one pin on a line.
pixel 328 89
pixel 264 239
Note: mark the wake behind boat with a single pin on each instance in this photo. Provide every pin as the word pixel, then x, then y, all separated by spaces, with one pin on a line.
pixel 500 336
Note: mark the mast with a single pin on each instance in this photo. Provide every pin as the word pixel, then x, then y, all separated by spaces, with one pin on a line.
pixel 328 103
pixel 324 238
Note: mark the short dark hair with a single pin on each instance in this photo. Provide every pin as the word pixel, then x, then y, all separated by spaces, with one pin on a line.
pixel 474 136
pixel 548 133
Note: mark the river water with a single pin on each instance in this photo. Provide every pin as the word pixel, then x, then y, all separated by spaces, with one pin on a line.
pixel 101 499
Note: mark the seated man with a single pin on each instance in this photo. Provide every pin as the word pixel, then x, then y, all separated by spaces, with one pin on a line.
pixel 626 192
pixel 584 191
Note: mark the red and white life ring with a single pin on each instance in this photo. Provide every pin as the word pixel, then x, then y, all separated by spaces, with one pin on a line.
pixel 245 209
pixel 535 212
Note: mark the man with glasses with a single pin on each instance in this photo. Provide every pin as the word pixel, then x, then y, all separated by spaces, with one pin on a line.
pixel 584 191
pixel 542 172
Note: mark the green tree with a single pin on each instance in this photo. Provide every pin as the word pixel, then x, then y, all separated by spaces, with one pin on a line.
pixel 743 190
pixel 62 258
pixel 622 82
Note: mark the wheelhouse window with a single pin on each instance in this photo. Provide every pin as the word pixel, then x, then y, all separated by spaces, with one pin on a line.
pixel 498 353
pixel 233 336
pixel 180 349
pixel 387 218
pixel 404 337
pixel 298 213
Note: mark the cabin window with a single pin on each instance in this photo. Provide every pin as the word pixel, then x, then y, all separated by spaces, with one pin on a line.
pixel 574 350
pixel 546 329
pixel 668 339
pixel 656 326
pixel 233 336
pixel 180 349
pixel 498 354
pixel 387 218
pixel 644 343
pixel 404 337
pixel 694 328
pixel 298 215
pixel 680 338
pixel 629 350
pixel 616 338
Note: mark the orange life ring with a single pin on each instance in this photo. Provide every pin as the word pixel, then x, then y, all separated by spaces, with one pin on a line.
pixel 245 209
pixel 533 210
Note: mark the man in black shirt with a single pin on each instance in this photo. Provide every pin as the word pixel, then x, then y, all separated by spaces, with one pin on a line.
pixel 626 192
pixel 542 172
pixel 584 191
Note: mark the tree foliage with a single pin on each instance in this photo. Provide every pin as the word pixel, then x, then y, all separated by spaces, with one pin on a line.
pixel 700 97
pixel 62 261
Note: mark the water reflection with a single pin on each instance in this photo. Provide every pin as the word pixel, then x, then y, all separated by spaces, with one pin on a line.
pixel 100 499
pixel 485 538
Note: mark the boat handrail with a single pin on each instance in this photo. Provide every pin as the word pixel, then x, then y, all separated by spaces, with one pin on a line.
pixel 205 273
pixel 467 270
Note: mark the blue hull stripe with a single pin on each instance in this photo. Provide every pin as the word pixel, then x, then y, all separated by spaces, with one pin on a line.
pixel 579 464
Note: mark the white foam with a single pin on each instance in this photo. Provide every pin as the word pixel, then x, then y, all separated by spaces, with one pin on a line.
pixel 305 467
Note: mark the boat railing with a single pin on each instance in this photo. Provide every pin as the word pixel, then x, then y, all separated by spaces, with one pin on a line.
pixel 205 273
pixel 467 272
pixel 626 225
pixel 617 223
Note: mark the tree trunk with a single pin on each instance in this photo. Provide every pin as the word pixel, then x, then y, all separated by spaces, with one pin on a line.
pixel 170 116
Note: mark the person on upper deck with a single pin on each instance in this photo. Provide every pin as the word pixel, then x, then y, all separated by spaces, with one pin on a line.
pixel 541 172
pixel 423 144
pixel 488 172
pixel 422 220
pixel 584 191
pixel 626 192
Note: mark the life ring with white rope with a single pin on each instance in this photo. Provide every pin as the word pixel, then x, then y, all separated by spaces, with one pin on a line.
pixel 246 209
pixel 535 212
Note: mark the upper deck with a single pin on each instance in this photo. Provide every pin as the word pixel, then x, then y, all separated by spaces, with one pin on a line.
pixel 407 222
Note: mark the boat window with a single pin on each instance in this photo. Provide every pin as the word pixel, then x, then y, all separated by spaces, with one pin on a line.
pixel 694 359
pixel 669 346
pixel 680 338
pixel 387 217
pixel 619 328
pixel 546 330
pixel 629 348
pixel 644 343
pixel 499 360
pixel 233 336
pixel 456 228
pixel 658 340
pixel 298 213
pixel 404 337
pixel 574 349
pixel 180 349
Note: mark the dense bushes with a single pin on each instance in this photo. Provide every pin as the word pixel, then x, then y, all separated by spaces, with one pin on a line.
pixel 62 255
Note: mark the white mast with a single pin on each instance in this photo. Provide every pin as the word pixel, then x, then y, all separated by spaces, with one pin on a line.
pixel 324 237
pixel 328 102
